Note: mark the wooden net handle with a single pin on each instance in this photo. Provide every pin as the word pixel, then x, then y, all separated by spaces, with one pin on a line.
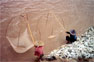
pixel 31 33
pixel 28 25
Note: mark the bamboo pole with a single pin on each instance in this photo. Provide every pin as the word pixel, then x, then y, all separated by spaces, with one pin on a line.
pixel 28 25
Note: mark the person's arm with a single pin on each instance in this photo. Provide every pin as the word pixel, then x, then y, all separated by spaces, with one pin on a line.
pixel 67 32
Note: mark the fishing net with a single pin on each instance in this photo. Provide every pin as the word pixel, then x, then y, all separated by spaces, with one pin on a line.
pixel 22 34
pixel 18 36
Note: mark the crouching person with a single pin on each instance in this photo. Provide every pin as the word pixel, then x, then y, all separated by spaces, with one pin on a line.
pixel 72 36
pixel 39 51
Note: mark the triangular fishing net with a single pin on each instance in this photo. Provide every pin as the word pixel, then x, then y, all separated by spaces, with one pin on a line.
pixel 18 36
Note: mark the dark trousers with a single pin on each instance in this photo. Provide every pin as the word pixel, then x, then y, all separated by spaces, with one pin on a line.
pixel 69 39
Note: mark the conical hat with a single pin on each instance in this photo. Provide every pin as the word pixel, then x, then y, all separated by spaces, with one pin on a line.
pixel 73 32
pixel 39 43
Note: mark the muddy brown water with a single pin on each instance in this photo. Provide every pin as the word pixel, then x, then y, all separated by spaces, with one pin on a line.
pixel 73 14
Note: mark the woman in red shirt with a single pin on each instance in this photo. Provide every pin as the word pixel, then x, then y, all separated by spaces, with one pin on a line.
pixel 39 50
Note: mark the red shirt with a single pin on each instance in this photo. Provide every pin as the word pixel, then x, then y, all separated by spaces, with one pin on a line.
pixel 38 50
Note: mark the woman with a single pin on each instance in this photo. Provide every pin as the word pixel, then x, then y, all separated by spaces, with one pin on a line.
pixel 39 50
